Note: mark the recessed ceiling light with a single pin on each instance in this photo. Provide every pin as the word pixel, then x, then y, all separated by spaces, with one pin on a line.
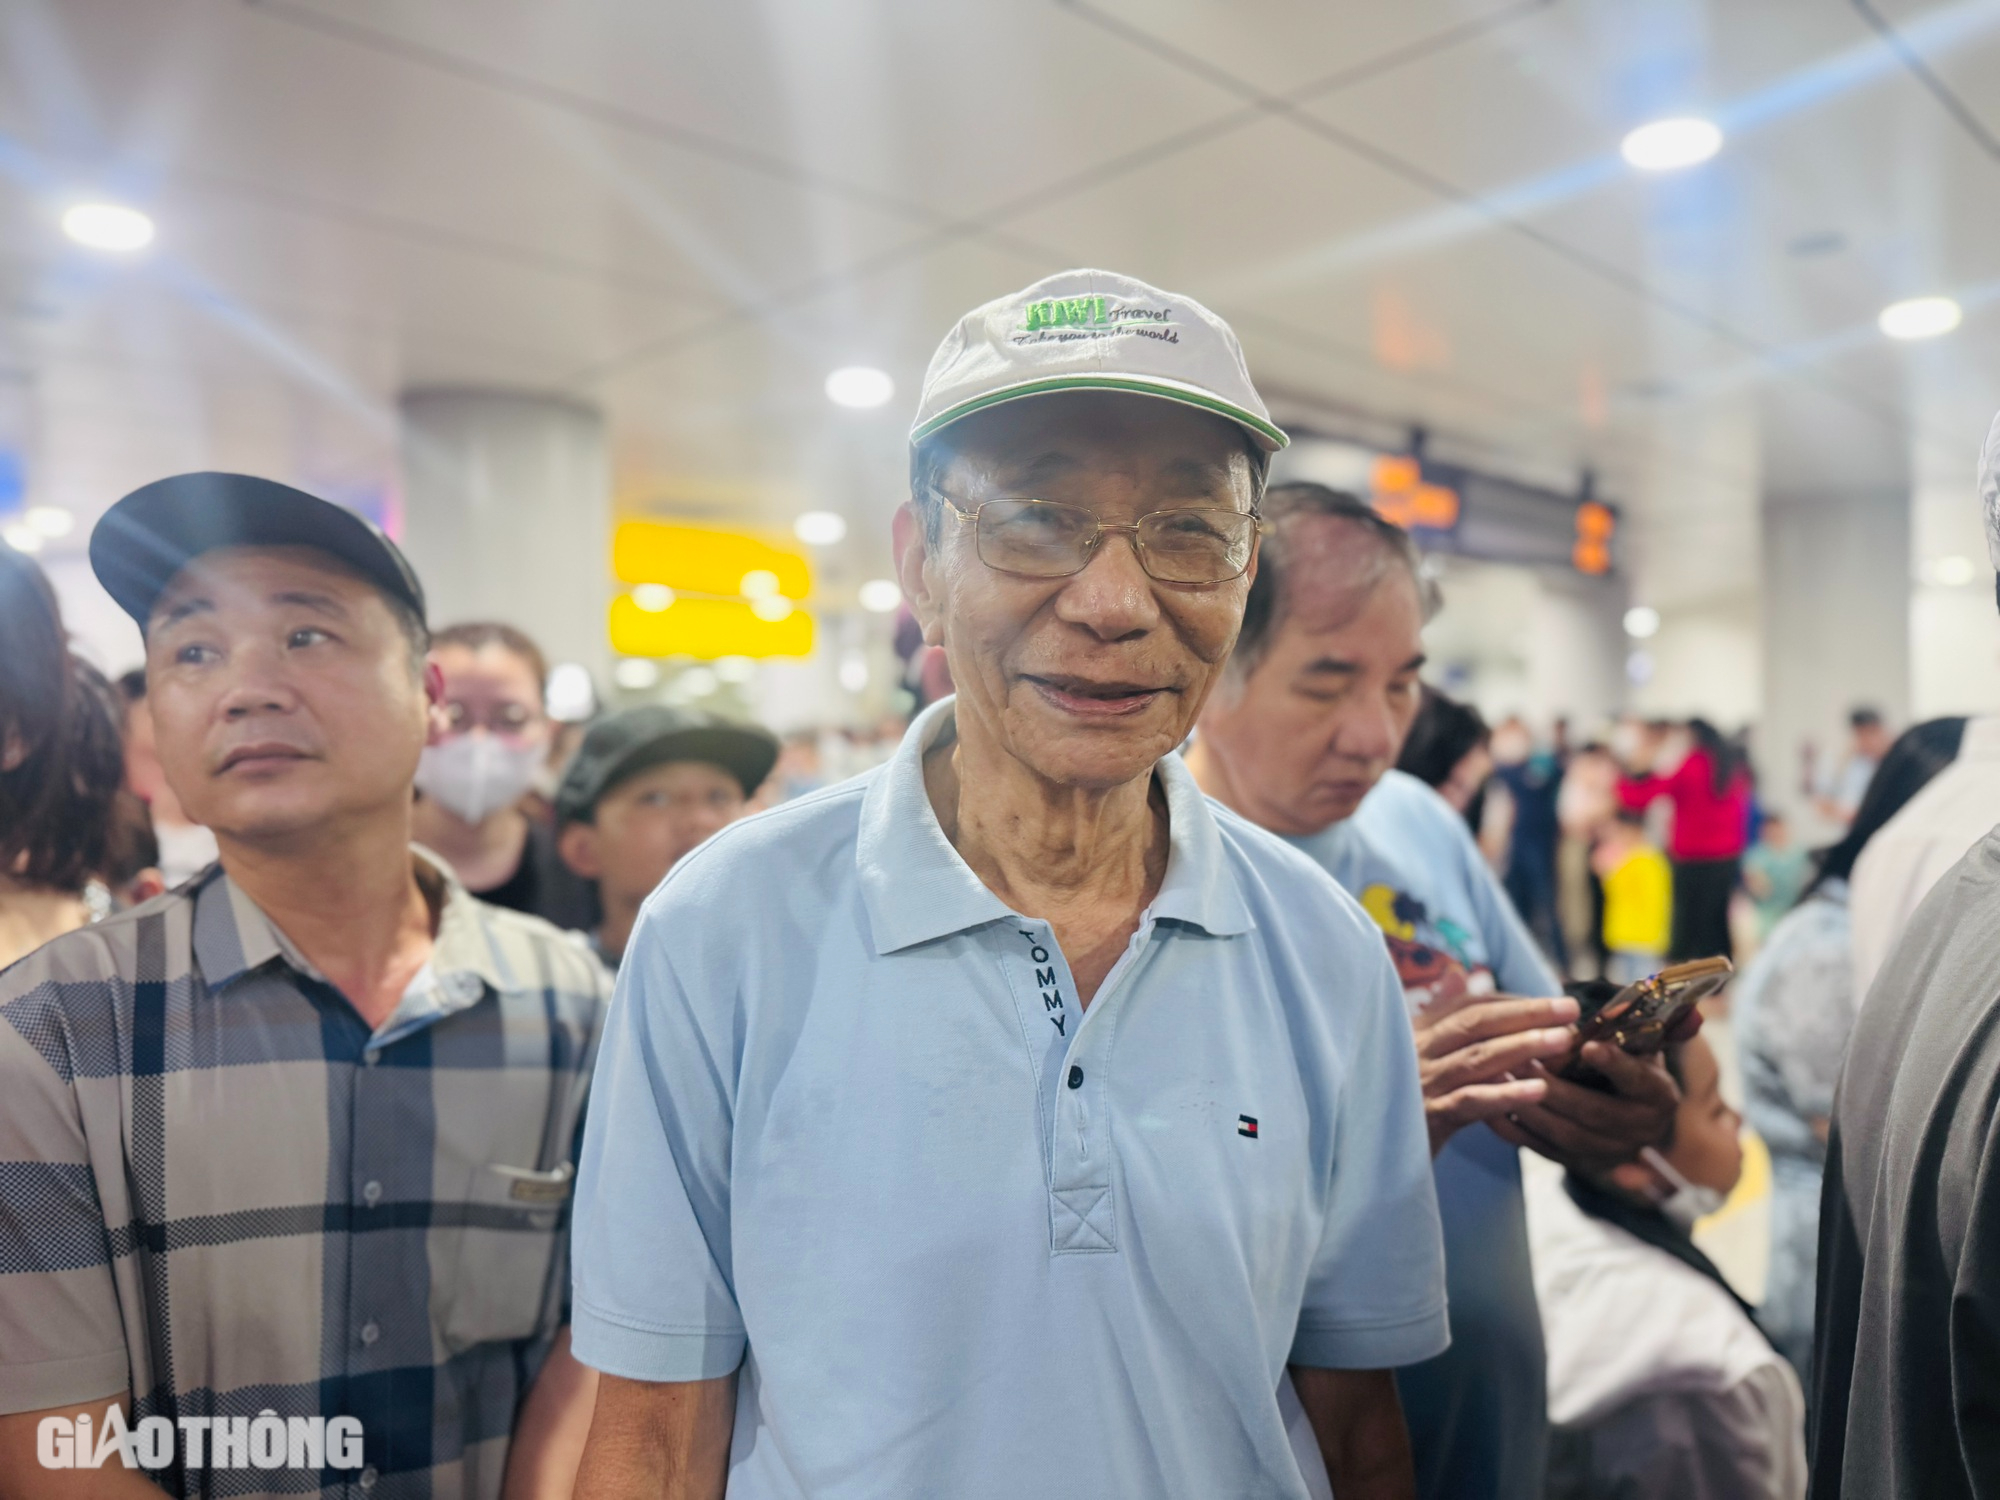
pixel 1951 572
pixel 880 595
pixel 819 528
pixel 108 226
pixel 771 608
pixel 636 673
pixel 1920 318
pixel 738 669
pixel 51 520
pixel 859 386
pixel 759 583
pixel 571 697
pixel 1667 145
pixel 696 682
pixel 653 597
pixel 1642 622
pixel 853 671
pixel 21 538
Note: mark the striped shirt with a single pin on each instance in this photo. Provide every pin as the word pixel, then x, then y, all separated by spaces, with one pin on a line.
pixel 221 1192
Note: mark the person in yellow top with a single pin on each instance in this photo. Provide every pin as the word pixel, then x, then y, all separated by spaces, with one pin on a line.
pixel 1638 899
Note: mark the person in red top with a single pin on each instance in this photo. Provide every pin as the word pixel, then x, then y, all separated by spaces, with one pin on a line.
pixel 1710 793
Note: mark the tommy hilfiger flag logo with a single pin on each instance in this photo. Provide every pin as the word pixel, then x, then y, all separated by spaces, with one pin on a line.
pixel 1247 1125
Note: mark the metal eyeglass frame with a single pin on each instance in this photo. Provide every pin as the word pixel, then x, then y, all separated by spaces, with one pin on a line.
pixel 1260 528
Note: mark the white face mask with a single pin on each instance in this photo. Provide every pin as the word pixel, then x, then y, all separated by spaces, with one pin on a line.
pixel 475 775
pixel 1687 1201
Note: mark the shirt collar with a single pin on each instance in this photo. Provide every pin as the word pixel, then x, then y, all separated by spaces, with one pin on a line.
pixel 915 887
pixel 232 937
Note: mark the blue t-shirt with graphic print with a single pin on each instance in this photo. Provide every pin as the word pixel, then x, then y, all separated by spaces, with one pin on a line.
pixel 1478 1413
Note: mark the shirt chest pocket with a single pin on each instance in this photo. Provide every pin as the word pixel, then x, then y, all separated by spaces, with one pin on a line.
pixel 513 1228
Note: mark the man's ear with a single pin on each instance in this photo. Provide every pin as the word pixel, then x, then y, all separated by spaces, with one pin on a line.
pixel 912 552
pixel 436 725
pixel 1638 1179
pixel 577 844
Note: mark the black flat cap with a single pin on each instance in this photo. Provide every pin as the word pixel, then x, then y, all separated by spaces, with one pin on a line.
pixel 621 745
pixel 142 541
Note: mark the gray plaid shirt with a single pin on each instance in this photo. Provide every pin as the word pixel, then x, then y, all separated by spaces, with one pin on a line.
pixel 221 1192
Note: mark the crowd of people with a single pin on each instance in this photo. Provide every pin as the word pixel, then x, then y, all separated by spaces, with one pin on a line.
pixel 1115 1081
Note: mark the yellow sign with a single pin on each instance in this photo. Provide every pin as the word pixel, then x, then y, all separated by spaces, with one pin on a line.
pixel 708 629
pixel 705 562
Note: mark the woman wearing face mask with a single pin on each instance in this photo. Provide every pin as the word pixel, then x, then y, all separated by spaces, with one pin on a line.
pixel 1661 1386
pixel 473 784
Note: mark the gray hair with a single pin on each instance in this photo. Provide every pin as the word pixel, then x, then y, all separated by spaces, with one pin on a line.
pixel 1285 505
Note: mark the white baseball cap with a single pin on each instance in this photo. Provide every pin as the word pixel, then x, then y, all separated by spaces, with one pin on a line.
pixel 1092 331
pixel 1989 491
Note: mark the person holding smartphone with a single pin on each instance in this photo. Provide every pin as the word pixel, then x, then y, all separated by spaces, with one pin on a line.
pixel 1301 737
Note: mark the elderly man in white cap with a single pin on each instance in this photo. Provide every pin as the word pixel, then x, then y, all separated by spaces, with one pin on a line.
pixel 1012 1120
pixel 1917 846
pixel 1906 1347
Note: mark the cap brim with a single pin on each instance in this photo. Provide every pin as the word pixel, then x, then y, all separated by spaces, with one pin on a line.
pixel 745 753
pixel 1267 436
pixel 150 535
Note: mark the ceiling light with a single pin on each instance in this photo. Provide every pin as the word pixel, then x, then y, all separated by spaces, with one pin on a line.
pixel 51 520
pixel 1642 622
pixel 1920 318
pixel 853 671
pixel 880 595
pixel 819 528
pixel 771 608
pixel 1667 145
pixel 859 386
pixel 737 669
pixel 571 697
pixel 653 597
pixel 1951 572
pixel 21 538
pixel 696 682
pixel 636 674
pixel 759 583
pixel 108 226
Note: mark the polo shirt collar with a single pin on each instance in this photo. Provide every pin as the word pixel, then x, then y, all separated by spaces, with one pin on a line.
pixel 233 937
pixel 915 888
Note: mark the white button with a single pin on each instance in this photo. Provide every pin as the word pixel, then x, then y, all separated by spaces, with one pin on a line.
pixel 371 1193
pixel 368 1477
pixel 372 1056
pixel 370 1333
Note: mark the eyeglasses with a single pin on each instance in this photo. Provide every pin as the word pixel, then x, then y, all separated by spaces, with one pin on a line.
pixel 1046 539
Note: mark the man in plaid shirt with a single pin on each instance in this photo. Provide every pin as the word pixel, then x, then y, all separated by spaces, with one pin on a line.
pixel 294 1142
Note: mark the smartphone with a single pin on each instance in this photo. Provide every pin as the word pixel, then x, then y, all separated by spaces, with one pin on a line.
pixel 1638 1017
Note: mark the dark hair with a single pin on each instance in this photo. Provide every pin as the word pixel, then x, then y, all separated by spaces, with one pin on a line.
pixel 1443 733
pixel 474 635
pixel 62 759
pixel 132 685
pixel 1725 759
pixel 1284 506
pixel 1920 752
pixel 1863 717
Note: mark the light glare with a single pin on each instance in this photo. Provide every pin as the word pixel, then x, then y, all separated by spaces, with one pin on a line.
pixel 854 671
pixel 759 583
pixel 819 528
pixel 21 538
pixel 108 226
pixel 1952 572
pixel 653 598
pixel 771 608
pixel 1642 622
pixel 1668 145
pixel 736 669
pixel 859 387
pixel 1920 318
pixel 881 595
pixel 571 697
pixel 51 520
pixel 636 674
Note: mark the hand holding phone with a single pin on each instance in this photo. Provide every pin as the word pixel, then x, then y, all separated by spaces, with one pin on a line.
pixel 1639 1017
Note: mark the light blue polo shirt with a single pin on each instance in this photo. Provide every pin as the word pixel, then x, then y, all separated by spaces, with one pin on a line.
pixel 977 1241
pixel 1478 1413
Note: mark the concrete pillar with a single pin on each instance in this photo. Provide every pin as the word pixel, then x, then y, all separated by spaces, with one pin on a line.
pixel 507 515
pixel 1836 565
